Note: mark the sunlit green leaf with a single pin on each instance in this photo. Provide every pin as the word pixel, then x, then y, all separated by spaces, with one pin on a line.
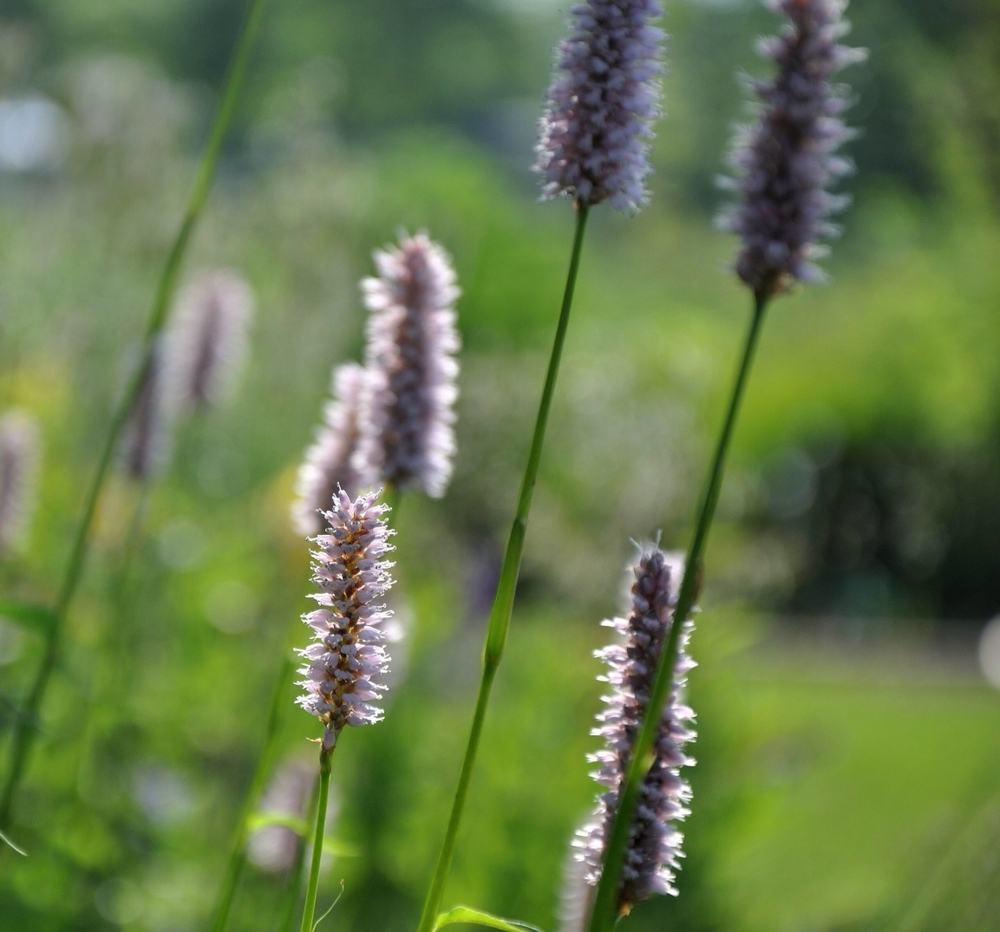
pixel 37 619
pixel 476 917
pixel 294 823
pixel 11 844
pixel 261 820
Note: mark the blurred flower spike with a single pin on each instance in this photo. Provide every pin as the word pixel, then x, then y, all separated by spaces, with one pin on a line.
pixel 407 436
pixel 329 462
pixel 148 435
pixel 209 337
pixel 785 162
pixel 348 654
pixel 654 848
pixel 19 454
pixel 603 99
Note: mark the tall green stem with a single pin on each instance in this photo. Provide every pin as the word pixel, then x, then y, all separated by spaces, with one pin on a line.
pixel 309 913
pixel 294 883
pixel 25 734
pixel 605 911
pixel 503 603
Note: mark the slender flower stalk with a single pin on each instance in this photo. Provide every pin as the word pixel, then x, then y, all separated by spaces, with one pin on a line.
pixel 274 848
pixel 19 452
pixel 592 148
pixel 788 164
pixel 329 462
pixel 294 886
pixel 407 437
pixel 503 602
pixel 348 655
pixel 25 732
pixel 208 338
pixel 312 889
pixel 654 843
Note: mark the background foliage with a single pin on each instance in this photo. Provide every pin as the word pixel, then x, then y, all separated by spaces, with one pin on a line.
pixel 847 746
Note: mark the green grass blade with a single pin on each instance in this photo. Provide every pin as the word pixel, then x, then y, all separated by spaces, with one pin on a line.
pixel 35 619
pixel 476 917
pixel 11 844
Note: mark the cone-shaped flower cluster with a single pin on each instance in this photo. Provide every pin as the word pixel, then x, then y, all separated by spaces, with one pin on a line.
pixel 328 463
pixel 18 467
pixel 407 439
pixel 785 162
pixel 603 98
pixel 209 337
pixel 348 654
pixel 654 847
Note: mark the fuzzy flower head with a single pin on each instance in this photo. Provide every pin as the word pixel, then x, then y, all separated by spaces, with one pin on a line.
pixel 328 463
pixel 407 437
pixel 786 161
pixel 654 848
pixel 148 435
pixel 348 655
pixel 603 99
pixel 18 468
pixel 209 337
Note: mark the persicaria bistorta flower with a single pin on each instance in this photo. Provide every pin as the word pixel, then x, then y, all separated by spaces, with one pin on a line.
pixel 348 655
pixel 18 467
pixel 148 434
pixel 407 436
pixel 328 463
pixel 654 847
pixel 603 99
pixel 209 337
pixel 785 162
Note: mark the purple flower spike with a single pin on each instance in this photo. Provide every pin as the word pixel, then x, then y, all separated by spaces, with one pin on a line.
pixel 785 162
pixel 148 434
pixel 603 99
pixel 342 665
pixel 328 462
pixel 19 445
pixel 654 849
pixel 209 337
pixel 407 438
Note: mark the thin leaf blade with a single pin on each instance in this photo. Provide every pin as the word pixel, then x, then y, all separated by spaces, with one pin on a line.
pixel 30 617
pixel 463 914
pixel 11 844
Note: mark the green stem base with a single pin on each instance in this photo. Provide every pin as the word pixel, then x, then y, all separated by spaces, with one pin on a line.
pixel 605 912
pixel 503 603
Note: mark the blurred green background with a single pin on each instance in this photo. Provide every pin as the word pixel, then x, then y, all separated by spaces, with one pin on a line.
pixel 848 741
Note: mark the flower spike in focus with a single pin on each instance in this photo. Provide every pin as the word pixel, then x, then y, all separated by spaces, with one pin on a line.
pixel 603 99
pixel 348 655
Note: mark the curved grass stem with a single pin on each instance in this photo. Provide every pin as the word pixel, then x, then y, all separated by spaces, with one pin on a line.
pixel 605 911
pixel 503 603
pixel 25 734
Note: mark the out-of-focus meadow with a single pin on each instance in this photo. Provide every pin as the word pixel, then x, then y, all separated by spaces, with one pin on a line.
pixel 848 741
